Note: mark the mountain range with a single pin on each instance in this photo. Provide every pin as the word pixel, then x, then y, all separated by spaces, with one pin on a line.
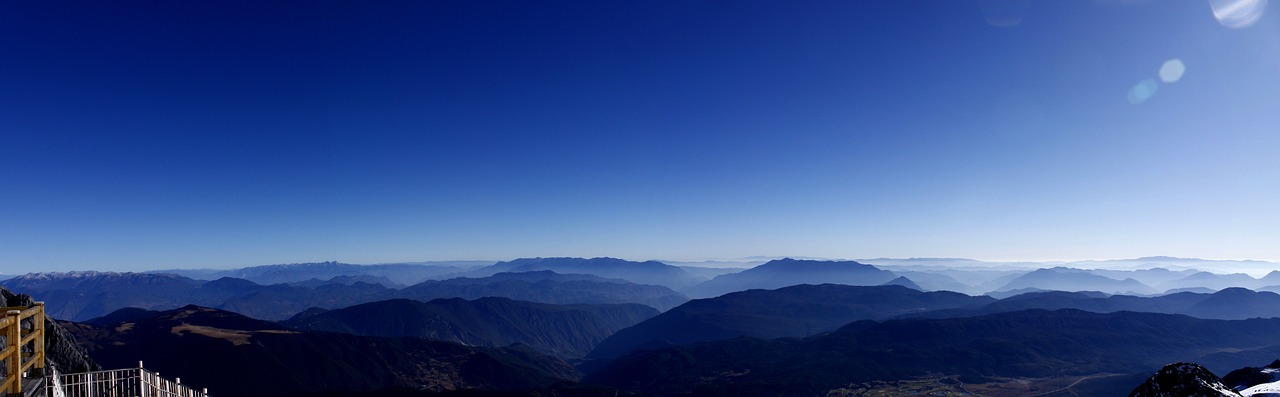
pixel 547 286
pixel 1227 304
pixel 238 356
pixel 1067 279
pixel 795 311
pixel 566 331
pixel 787 272
pixel 80 296
pixel 806 310
pixel 648 272
pixel 785 327
pixel 1032 343
pixel 398 273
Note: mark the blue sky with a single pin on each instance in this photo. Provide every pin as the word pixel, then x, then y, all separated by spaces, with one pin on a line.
pixel 216 134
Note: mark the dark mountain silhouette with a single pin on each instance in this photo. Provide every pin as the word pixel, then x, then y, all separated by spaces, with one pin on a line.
pixel 1249 380
pixel 1067 279
pixel 1183 380
pixel 568 331
pixel 125 315
pixel 1198 290
pixel 1033 343
pixel 1016 292
pixel 649 272
pixel 1188 379
pixel 308 313
pixel 787 272
pixel 546 286
pixel 349 280
pixel 238 356
pixel 1236 303
pixel 795 311
pixel 281 301
pixel 1228 304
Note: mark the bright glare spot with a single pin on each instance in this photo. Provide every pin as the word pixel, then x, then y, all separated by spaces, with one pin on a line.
pixel 1125 3
pixel 1143 91
pixel 1172 70
pixel 1004 13
pixel 1237 13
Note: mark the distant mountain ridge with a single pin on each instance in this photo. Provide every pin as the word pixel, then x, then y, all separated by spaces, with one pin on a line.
pixel 787 272
pixel 547 287
pixel 1228 304
pixel 1068 279
pixel 648 272
pixel 399 273
pixel 84 295
pixel 795 311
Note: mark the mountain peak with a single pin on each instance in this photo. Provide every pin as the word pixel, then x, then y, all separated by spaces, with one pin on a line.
pixel 905 282
pixel 785 272
pixel 1183 380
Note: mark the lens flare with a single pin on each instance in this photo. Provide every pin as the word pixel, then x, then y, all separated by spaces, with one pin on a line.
pixel 1237 14
pixel 1172 70
pixel 1004 13
pixel 1143 91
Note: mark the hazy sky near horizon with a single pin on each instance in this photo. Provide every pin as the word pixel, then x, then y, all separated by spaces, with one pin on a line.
pixel 154 134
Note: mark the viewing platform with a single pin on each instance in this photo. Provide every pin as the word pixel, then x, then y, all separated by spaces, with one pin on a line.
pixel 25 373
pixel 23 331
pixel 130 382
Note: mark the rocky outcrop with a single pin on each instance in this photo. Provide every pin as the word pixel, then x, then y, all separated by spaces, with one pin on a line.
pixel 61 350
pixel 1183 380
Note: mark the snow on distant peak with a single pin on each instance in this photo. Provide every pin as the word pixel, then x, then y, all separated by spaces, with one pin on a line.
pixel 1263 389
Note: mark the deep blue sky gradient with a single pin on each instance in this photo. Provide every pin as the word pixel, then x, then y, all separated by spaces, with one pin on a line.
pixel 154 134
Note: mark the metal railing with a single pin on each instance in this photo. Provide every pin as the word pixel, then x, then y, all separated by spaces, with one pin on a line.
pixel 23 346
pixel 132 382
pixel 23 332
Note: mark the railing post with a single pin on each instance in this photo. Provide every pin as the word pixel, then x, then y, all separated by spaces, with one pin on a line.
pixel 14 339
pixel 39 342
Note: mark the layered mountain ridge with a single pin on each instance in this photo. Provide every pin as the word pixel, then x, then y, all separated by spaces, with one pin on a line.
pixel 566 331
pixel 235 355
